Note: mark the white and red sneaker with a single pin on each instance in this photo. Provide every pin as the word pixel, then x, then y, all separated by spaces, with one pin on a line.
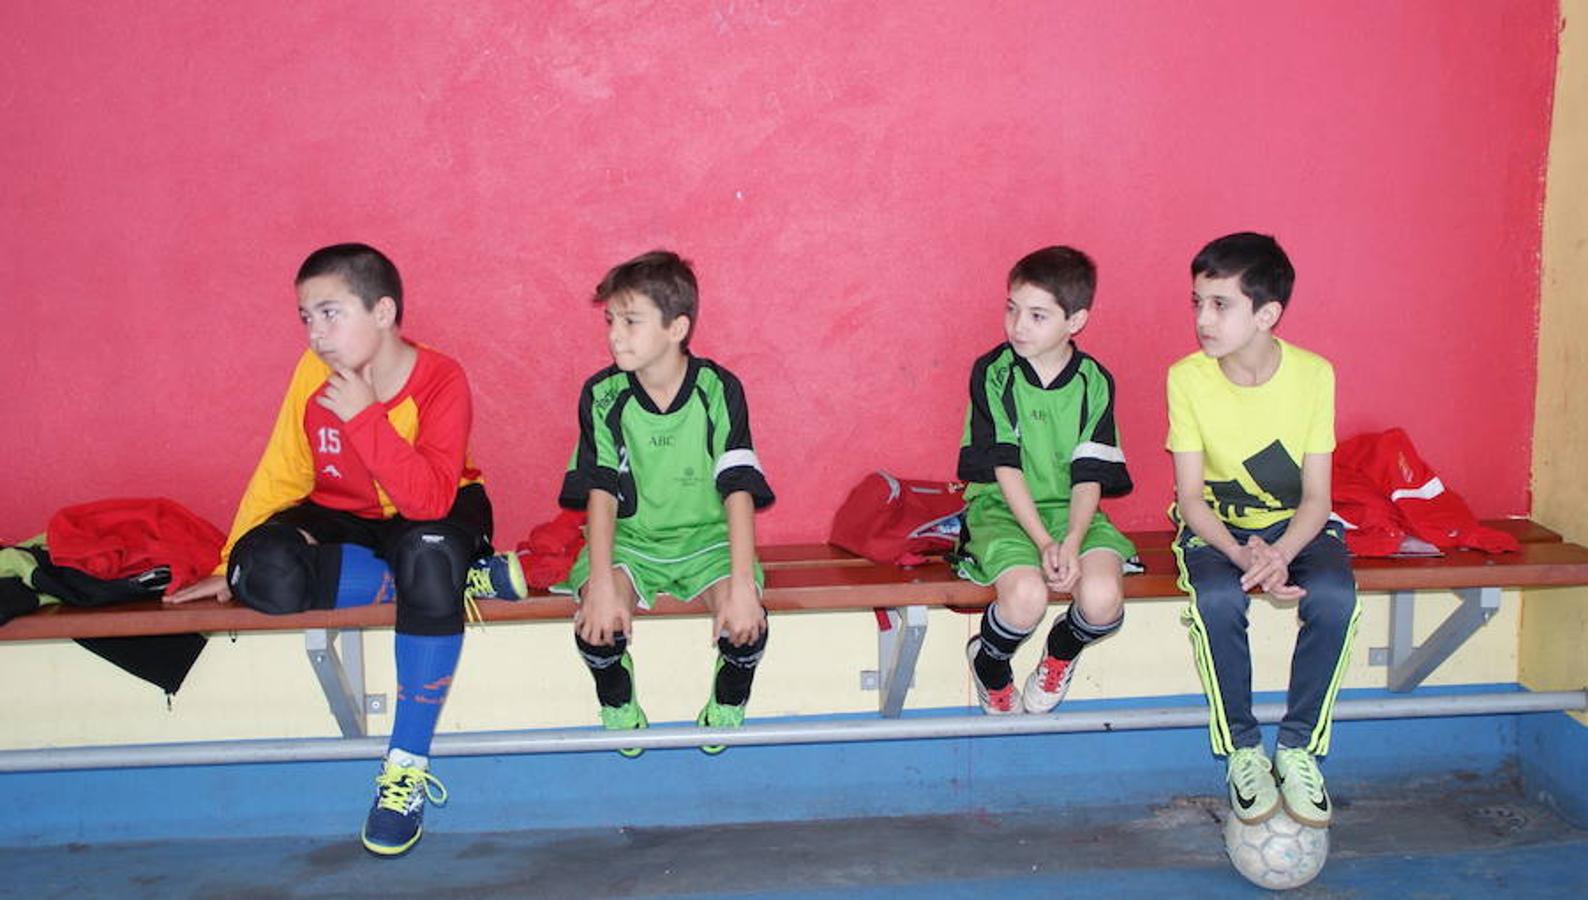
pixel 1048 683
pixel 1004 701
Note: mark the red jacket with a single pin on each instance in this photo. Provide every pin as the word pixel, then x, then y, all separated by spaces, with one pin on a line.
pixel 128 536
pixel 1385 491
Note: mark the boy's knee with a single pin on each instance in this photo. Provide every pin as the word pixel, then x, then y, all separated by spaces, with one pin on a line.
pixel 429 563
pixel 1222 604
pixel 269 570
pixel 1022 599
pixel 1338 586
pixel 1330 602
pixel 1102 598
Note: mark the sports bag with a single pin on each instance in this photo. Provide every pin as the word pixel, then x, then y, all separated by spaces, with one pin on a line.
pixel 901 521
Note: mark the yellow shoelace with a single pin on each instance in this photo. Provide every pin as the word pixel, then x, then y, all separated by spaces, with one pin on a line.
pixel 397 785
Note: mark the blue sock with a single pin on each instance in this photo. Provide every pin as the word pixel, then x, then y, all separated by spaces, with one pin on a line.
pixel 364 578
pixel 425 663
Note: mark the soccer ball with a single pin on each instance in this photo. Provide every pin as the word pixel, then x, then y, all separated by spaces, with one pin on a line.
pixel 1278 854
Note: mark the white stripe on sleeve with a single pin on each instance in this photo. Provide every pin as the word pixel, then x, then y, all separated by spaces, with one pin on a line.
pixel 735 458
pixel 1094 450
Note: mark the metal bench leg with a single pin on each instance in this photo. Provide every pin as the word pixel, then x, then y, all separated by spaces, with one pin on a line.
pixel 1408 664
pixel 341 675
pixel 898 648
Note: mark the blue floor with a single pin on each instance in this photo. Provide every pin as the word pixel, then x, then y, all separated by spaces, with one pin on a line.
pixel 684 788
pixel 1479 806
pixel 1454 836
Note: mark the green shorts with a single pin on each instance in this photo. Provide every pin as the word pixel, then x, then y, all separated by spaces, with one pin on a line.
pixel 684 577
pixel 992 542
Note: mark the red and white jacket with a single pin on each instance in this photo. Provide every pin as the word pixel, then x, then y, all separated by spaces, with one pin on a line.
pixel 1384 491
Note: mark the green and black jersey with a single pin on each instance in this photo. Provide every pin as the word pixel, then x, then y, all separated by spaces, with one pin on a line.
pixel 1058 435
pixel 669 469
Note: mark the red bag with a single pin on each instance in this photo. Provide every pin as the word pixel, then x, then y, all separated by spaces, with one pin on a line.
pixel 901 521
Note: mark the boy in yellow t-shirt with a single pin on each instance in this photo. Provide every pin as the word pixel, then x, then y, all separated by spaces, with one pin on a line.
pixel 1251 428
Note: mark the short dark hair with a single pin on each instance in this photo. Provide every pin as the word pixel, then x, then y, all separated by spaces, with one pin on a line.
pixel 1065 272
pixel 1266 273
pixel 661 275
pixel 367 271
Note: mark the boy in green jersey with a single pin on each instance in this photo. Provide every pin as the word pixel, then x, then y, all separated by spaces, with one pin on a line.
pixel 667 472
pixel 1039 452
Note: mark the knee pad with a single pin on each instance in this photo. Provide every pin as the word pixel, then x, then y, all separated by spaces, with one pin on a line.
pixel 745 656
pixel 272 569
pixel 430 563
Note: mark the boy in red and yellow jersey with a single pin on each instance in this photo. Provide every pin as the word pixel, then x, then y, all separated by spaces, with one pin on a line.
pixel 368 468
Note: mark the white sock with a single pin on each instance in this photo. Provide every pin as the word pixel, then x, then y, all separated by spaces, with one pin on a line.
pixel 407 760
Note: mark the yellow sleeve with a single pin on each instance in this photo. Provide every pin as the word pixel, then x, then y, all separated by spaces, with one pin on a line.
pixel 1184 435
pixel 1320 431
pixel 285 473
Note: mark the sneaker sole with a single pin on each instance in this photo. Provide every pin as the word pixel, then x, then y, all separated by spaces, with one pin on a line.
pixel 1025 704
pixel 1304 818
pixel 1259 818
pixel 515 574
pixel 390 852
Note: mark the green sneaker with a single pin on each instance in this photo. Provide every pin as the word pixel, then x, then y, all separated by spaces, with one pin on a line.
pixel 629 716
pixel 718 715
pixel 1254 797
pixel 1301 786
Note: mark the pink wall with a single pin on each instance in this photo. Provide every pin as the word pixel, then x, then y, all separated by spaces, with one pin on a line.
pixel 851 179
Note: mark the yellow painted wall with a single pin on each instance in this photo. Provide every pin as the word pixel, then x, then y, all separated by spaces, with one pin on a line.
pixel 1554 635
pixel 528 675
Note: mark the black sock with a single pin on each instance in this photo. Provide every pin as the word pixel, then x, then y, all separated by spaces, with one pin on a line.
pixel 998 643
pixel 1071 633
pixel 614 687
pixel 737 672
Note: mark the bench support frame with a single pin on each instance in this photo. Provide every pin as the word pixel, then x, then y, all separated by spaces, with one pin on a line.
pixel 1409 664
pixel 898 649
pixel 341 675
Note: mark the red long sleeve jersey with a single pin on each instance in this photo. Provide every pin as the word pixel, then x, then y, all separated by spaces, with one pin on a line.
pixel 407 456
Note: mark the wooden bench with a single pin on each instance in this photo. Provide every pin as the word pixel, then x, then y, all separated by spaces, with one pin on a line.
pixel 817 577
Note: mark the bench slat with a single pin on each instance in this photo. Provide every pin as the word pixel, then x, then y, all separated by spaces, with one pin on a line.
pixel 821 577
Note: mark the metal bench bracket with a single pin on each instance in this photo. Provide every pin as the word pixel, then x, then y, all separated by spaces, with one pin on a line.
pixel 898 648
pixel 1409 664
pixel 341 675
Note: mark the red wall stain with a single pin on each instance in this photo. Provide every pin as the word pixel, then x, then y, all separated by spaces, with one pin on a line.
pixel 851 179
